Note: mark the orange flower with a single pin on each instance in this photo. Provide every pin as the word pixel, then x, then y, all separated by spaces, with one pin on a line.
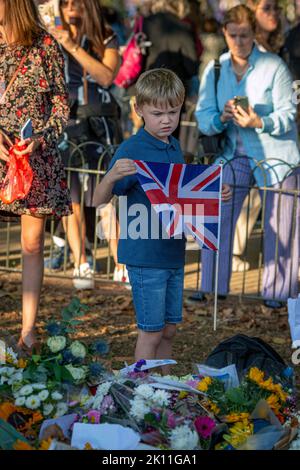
pixel 6 409
pixel 21 445
pixel 256 375
pixel 45 444
pixel 22 363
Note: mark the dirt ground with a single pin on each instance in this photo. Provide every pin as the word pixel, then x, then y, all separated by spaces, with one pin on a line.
pixel 111 317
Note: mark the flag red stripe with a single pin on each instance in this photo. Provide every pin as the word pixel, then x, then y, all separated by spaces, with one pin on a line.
pixel 207 180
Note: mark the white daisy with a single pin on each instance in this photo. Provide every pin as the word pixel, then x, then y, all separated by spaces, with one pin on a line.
pixel 33 402
pixel 26 390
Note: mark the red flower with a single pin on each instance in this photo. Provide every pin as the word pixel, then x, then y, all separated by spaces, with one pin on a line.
pixel 24 70
pixel 63 184
pixel 43 108
pixel 43 83
pixel 19 113
pixel 48 41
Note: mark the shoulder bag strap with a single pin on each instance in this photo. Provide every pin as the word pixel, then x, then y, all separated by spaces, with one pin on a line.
pixel 13 79
pixel 85 88
pixel 217 69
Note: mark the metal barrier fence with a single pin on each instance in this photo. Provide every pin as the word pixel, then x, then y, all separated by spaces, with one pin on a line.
pixel 246 281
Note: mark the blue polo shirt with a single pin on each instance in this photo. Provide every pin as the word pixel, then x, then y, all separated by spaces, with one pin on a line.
pixel 137 218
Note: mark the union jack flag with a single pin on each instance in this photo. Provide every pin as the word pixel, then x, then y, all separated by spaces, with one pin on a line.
pixel 186 197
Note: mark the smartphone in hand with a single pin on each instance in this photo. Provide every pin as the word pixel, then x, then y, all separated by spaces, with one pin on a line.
pixel 242 101
pixel 26 131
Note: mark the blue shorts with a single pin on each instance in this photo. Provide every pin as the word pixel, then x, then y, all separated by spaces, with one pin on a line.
pixel 157 296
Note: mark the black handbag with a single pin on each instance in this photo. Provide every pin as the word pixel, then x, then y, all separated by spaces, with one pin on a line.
pixel 213 144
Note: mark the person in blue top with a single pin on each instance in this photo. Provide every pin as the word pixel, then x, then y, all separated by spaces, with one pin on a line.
pixel 261 145
pixel 155 263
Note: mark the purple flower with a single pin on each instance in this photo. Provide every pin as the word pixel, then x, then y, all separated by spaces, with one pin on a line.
pixel 139 365
pixel 204 426
pixel 107 403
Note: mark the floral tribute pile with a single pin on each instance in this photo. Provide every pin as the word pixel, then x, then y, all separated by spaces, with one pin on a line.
pixel 66 382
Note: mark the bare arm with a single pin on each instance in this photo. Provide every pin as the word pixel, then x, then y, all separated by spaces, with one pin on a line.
pixel 103 192
pixel 103 71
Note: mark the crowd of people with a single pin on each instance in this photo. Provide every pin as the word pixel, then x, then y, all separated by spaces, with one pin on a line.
pixel 60 73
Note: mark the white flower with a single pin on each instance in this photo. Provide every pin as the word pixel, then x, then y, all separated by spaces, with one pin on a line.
pixel 56 343
pixel 11 355
pixel 56 396
pixel 9 371
pixel 20 401
pixel 183 438
pixel 47 409
pixel 78 349
pixel 33 402
pixel 139 408
pixel 161 398
pixel 43 395
pixel 26 390
pixel 61 409
pixel 78 373
pixel 103 388
pixel 17 377
pixel 96 401
pixel 144 391
pixel 38 386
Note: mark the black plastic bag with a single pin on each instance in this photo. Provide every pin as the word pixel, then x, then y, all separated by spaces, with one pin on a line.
pixel 246 352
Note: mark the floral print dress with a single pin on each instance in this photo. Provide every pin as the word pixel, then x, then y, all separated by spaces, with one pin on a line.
pixel 38 93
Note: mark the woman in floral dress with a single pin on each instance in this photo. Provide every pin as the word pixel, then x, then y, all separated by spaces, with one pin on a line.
pixel 38 93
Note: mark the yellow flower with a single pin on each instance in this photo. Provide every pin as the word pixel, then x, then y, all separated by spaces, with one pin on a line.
pixel 213 407
pixel 88 446
pixel 182 395
pixel 204 384
pixel 21 445
pixel 22 363
pixel 239 432
pixel 272 401
pixel 256 375
pixel 45 444
pixel 282 395
pixel 234 417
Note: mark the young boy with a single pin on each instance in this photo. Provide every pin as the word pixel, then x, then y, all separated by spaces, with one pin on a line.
pixel 155 266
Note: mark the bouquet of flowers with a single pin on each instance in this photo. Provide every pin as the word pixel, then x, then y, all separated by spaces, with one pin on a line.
pixel 46 381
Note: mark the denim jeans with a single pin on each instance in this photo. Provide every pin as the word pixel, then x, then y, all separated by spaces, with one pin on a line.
pixel 157 296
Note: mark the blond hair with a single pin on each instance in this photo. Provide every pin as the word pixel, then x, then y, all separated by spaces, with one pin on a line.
pixel 159 87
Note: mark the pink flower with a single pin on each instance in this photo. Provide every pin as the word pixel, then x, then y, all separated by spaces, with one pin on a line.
pixel 192 383
pixel 94 416
pixel 204 426
pixel 172 422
